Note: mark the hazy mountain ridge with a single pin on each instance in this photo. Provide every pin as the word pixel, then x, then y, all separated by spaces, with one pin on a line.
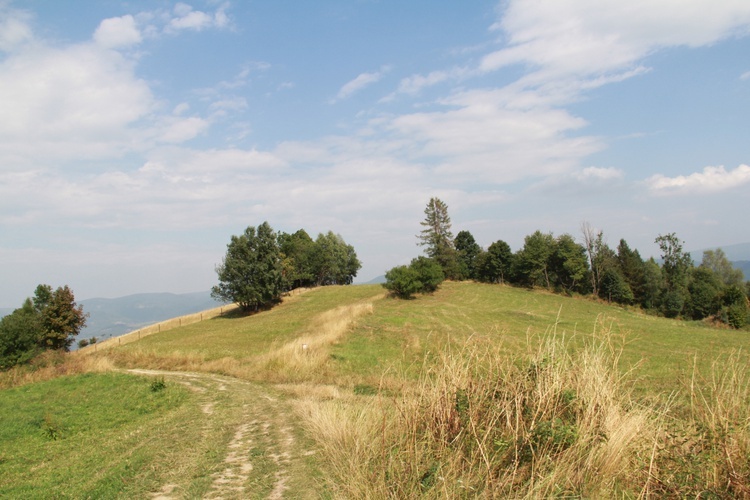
pixel 112 317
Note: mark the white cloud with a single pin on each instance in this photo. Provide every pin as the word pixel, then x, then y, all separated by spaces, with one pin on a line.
pixel 14 28
pixel 185 18
pixel 711 180
pixel 585 38
pixel 745 75
pixel 117 32
pixel 415 83
pixel 361 81
pixel 79 100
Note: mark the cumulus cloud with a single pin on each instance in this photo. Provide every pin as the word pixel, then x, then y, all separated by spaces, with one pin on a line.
pixel 186 18
pixel 711 180
pixel 69 101
pixel 118 32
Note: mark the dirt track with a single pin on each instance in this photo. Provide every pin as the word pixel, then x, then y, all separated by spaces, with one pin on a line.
pixel 266 455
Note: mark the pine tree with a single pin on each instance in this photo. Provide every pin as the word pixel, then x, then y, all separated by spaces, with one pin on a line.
pixel 437 237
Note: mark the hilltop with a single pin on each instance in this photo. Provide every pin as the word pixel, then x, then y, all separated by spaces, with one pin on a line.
pixel 356 379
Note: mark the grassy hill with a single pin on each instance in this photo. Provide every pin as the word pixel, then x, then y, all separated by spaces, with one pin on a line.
pixel 475 390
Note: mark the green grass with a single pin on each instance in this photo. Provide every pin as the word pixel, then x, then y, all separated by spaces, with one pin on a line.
pixel 114 435
pixel 401 333
pixel 239 336
pixel 89 436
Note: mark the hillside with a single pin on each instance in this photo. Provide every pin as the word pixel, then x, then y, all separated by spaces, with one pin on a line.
pixel 615 375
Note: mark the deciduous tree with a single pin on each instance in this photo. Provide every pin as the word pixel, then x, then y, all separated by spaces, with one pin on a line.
pixel 250 274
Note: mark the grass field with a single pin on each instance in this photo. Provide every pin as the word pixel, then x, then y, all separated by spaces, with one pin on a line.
pixel 441 396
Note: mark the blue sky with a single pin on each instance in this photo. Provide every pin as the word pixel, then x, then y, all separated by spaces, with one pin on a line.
pixel 138 136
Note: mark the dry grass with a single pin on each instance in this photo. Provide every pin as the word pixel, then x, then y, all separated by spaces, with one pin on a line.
pixel 53 364
pixel 305 357
pixel 559 423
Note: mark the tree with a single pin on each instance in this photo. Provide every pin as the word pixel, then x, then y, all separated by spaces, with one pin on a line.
pixel 251 272
pixel 333 261
pixel 297 253
pixel 19 336
pixel 676 262
pixel 437 236
pixel 467 252
pixel 598 253
pixel 494 265
pixel 705 293
pixel 717 261
pixel 61 319
pixel 632 268
pixel 50 320
pixel 533 259
pixel 676 265
pixel 568 264
pixel 614 287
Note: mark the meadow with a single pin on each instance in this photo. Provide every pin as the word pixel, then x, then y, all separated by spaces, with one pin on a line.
pixel 474 391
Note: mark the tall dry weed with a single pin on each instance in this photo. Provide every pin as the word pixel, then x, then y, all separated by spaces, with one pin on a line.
pixel 705 451
pixel 557 423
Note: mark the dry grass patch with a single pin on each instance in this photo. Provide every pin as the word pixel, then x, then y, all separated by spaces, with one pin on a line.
pixel 305 357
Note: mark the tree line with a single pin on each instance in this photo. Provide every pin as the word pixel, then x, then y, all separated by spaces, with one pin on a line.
pixel 260 265
pixel 49 320
pixel 676 287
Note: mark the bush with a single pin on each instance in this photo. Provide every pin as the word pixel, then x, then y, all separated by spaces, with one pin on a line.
pixel 736 315
pixel 422 275
pixel 403 282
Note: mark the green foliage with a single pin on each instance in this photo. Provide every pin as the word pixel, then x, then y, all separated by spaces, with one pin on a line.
pixel 495 265
pixel 297 268
pixel 50 320
pixel 333 261
pixel 158 384
pixel 438 239
pixel 19 336
pixel 429 273
pixel 467 253
pixel 402 281
pixel 251 273
pixel 422 275
pixel 568 265
pixel 705 293
pixel 735 310
pixel 614 287
pixel 717 261
pixel 533 260
pixel 61 319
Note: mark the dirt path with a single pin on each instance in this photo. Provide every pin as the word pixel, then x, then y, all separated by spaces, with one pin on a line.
pixel 265 453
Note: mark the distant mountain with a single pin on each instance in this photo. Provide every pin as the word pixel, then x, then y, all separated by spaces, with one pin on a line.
pixel 738 252
pixel 744 265
pixel 376 281
pixel 738 255
pixel 113 317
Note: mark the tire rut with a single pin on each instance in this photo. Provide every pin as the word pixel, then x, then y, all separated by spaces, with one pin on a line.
pixel 262 450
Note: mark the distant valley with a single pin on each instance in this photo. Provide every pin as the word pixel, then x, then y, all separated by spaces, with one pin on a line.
pixel 113 317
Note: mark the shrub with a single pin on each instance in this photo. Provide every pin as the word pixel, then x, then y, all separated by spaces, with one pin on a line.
pixel 422 275
pixel 403 282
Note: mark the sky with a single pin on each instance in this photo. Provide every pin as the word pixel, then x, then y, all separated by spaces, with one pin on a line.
pixel 138 136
